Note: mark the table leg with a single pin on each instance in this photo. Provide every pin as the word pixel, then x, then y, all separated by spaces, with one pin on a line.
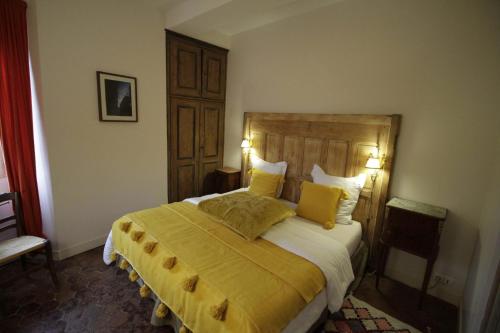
pixel 384 249
pixel 427 277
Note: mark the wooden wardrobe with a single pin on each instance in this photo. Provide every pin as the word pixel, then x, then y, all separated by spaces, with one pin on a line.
pixel 196 91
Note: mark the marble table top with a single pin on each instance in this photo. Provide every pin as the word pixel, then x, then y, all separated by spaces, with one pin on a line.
pixel 418 207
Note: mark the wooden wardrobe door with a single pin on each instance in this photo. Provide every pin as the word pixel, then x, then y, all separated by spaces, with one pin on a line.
pixel 196 77
pixel 211 144
pixel 214 74
pixel 184 149
pixel 185 68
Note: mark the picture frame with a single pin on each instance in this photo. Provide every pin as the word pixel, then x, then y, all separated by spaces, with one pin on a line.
pixel 117 97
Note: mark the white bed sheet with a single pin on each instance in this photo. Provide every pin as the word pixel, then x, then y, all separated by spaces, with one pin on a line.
pixel 347 234
pixel 296 235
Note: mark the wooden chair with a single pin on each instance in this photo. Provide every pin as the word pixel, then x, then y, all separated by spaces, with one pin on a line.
pixel 17 247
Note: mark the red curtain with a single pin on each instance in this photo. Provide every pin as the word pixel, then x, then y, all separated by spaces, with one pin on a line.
pixel 15 111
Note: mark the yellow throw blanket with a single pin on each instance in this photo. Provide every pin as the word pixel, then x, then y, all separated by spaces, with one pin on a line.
pixel 210 277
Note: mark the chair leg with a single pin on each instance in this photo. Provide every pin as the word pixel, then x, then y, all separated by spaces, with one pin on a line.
pixel 23 262
pixel 50 264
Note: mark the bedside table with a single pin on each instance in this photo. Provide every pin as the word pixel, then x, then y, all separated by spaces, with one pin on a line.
pixel 227 179
pixel 413 227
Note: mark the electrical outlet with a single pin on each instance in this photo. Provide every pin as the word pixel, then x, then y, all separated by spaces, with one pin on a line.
pixel 443 280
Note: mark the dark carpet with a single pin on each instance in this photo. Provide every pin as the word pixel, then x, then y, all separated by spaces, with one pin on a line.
pixel 96 298
pixel 92 298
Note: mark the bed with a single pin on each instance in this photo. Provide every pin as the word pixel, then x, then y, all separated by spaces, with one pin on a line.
pixel 348 235
pixel 341 145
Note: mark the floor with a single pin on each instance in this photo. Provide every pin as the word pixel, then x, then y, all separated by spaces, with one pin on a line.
pixel 97 298
pixel 400 301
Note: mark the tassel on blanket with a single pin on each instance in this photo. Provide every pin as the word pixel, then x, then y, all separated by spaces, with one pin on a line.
pixel 125 226
pixel 169 262
pixel 136 235
pixel 114 256
pixel 190 283
pixel 328 225
pixel 133 276
pixel 123 264
pixel 149 247
pixel 144 291
pixel 219 311
pixel 161 311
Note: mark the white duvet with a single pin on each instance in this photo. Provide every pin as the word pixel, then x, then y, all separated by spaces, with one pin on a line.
pixel 331 256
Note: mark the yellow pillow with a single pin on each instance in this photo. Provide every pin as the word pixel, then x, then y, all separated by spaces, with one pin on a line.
pixel 266 184
pixel 248 214
pixel 319 203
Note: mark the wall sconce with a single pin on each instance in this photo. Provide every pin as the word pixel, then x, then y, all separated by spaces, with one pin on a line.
pixel 374 164
pixel 245 143
pixel 246 146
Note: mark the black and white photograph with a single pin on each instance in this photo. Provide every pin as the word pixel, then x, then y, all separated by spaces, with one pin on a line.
pixel 117 97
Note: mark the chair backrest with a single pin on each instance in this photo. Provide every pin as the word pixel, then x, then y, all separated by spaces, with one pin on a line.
pixel 17 216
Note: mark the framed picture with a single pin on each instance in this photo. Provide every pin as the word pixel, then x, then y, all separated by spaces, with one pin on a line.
pixel 117 97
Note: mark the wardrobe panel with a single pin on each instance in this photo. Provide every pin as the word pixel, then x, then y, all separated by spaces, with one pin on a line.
pixel 186 184
pixel 207 177
pixel 186 124
pixel 214 74
pixel 183 147
pixel 185 68
pixel 211 143
pixel 211 129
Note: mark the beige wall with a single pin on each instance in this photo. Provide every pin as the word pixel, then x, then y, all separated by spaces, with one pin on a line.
pixel 99 171
pixel 435 62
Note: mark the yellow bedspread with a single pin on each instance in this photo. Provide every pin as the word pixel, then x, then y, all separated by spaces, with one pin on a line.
pixel 263 285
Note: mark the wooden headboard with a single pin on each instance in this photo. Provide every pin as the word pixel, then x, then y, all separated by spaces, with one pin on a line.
pixel 340 144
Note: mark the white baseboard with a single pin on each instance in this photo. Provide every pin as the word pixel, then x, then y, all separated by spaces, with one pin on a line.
pixel 61 254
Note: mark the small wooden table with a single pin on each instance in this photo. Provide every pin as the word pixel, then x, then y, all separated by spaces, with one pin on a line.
pixel 413 227
pixel 227 179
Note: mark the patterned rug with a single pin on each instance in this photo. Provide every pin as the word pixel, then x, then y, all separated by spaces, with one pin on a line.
pixel 359 317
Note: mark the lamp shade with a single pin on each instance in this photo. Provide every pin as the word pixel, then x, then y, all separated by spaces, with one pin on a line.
pixel 245 143
pixel 373 163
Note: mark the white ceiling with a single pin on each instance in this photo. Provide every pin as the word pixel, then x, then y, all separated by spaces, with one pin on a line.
pixel 216 21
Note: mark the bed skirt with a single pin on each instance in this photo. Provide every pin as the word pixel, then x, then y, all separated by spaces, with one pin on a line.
pixel 358 262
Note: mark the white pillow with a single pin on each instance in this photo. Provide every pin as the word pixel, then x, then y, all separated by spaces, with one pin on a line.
pixel 278 168
pixel 352 186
